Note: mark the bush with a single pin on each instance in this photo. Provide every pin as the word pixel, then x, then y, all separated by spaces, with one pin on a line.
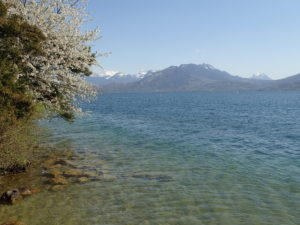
pixel 18 110
pixel 16 145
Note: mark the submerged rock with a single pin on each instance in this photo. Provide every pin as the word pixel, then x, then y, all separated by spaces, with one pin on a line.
pixel 55 173
pixel 154 176
pixel 15 169
pixel 13 223
pixel 27 191
pixel 54 163
pixel 90 174
pixel 59 180
pixel 58 187
pixel 49 162
pixel 52 166
pixel 60 162
pixel 107 177
pixel 69 163
pixel 11 197
pixel 73 173
pixel 83 179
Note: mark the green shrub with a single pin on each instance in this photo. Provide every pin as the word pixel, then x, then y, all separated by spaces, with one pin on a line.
pixel 18 39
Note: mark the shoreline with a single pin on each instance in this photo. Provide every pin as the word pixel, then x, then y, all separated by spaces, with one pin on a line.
pixel 52 171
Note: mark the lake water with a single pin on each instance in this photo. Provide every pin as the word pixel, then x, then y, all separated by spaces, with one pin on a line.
pixel 179 158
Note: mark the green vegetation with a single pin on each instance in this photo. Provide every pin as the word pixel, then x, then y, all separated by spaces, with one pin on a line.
pixel 18 40
pixel 44 59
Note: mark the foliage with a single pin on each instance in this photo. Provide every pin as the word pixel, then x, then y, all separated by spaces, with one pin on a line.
pixel 44 59
pixel 57 78
pixel 16 145
pixel 18 39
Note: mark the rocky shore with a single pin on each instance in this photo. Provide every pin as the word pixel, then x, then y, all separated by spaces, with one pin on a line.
pixel 52 171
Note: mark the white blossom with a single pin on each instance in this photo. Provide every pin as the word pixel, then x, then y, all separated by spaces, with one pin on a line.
pixel 58 77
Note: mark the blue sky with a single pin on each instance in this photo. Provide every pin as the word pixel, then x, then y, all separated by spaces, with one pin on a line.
pixel 242 37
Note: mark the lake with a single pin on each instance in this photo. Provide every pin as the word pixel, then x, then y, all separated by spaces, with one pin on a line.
pixel 179 158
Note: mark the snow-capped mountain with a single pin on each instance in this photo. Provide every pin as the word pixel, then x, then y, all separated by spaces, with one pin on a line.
pixel 190 78
pixel 186 78
pixel 109 77
pixel 203 66
pixel 260 76
pixel 106 77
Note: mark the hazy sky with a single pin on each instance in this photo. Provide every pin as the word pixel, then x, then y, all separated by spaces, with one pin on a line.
pixel 242 37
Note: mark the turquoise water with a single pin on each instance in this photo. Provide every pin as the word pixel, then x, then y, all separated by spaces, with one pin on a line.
pixel 181 158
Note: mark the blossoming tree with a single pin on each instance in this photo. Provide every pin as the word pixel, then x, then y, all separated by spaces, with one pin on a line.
pixel 57 78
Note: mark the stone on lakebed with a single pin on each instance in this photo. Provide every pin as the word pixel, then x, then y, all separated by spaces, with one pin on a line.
pixel 73 173
pixel 27 191
pixel 59 180
pixel 83 179
pixel 154 176
pixel 58 187
pixel 55 173
pixel 107 177
pixel 13 223
pixel 90 174
pixel 11 197
pixel 53 163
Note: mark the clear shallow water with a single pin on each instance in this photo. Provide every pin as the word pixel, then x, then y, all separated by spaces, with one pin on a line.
pixel 180 158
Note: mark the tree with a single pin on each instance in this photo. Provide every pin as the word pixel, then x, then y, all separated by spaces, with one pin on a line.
pixel 18 40
pixel 57 78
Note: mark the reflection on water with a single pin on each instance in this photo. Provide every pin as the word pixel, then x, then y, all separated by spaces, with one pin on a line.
pixel 229 159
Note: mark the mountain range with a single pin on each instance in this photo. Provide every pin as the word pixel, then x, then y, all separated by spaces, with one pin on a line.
pixel 260 76
pixel 117 77
pixel 191 78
